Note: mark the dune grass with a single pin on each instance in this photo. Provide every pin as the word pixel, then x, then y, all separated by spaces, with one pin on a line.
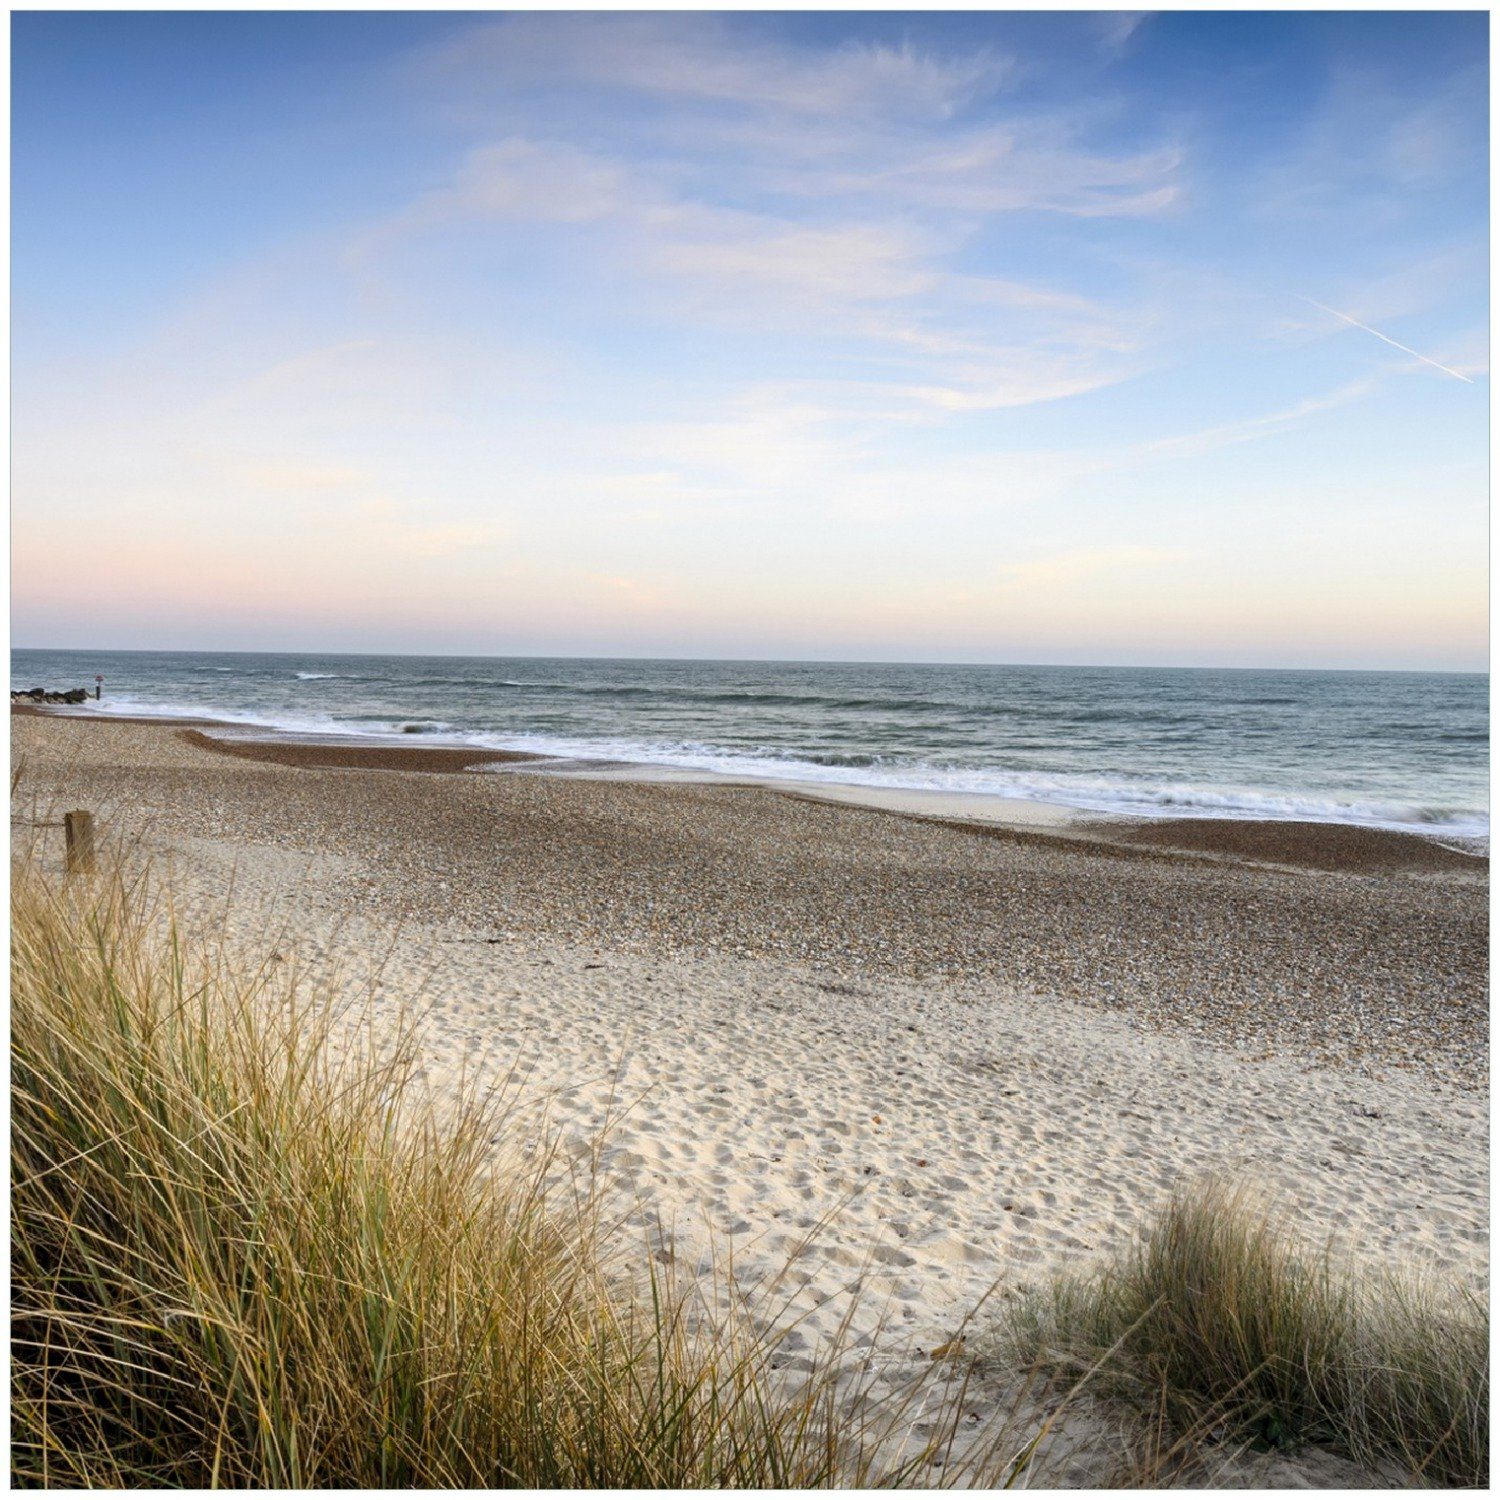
pixel 1220 1328
pixel 246 1253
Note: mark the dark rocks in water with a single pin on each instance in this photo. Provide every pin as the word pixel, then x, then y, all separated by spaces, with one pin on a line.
pixel 42 695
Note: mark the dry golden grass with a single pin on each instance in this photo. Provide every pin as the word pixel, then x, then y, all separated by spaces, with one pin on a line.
pixel 246 1253
pixel 1218 1328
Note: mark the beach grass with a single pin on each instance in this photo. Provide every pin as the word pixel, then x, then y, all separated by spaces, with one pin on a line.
pixel 247 1251
pixel 1217 1327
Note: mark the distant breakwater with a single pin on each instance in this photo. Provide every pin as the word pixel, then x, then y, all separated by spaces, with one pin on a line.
pixel 46 695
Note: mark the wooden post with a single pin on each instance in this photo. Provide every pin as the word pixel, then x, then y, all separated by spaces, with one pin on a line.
pixel 78 828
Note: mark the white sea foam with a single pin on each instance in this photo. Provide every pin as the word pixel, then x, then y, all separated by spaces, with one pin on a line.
pixel 1138 796
pixel 1119 797
pixel 289 724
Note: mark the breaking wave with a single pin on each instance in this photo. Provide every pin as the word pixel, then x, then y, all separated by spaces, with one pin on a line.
pixel 1402 751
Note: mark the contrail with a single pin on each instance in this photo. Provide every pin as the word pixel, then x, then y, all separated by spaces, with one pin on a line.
pixel 1387 339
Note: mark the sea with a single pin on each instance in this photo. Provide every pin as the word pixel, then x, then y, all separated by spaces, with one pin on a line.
pixel 1390 749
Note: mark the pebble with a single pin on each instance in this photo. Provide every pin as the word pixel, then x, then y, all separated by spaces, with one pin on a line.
pixel 1375 969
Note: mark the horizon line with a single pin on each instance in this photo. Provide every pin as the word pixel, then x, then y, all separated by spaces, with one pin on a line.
pixel 802 661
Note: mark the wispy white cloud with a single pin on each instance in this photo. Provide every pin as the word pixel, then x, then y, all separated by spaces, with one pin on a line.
pixel 404 531
pixel 523 180
pixel 710 58
pixel 1084 564
pixel 1033 167
pixel 1117 27
pixel 953 341
pixel 833 189
pixel 705 300
pixel 833 264
pixel 1375 149
pixel 854 121
pixel 1425 144
pixel 1413 286
pixel 1248 429
pixel 1029 378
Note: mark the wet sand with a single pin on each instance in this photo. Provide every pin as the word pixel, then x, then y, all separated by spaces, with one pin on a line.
pixel 426 759
pixel 1308 846
pixel 1380 962
pixel 1338 847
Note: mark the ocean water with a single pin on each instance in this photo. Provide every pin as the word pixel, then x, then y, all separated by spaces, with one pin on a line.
pixel 1399 749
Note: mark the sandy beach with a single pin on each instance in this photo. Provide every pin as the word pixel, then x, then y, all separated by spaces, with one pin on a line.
pixel 869 1055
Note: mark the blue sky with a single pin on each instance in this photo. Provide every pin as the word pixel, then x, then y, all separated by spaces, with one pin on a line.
pixel 958 337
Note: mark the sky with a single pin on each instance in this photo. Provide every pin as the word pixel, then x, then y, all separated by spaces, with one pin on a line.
pixel 1096 338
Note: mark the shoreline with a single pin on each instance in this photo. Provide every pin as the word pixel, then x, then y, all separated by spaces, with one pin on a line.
pixel 885 1063
pixel 1273 842
pixel 888 1071
pixel 1380 960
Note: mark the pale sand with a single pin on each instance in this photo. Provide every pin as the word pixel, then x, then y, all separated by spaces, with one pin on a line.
pixel 883 1149
pixel 1008 812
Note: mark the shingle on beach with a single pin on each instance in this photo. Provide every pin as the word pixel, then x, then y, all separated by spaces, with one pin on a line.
pixel 1351 945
